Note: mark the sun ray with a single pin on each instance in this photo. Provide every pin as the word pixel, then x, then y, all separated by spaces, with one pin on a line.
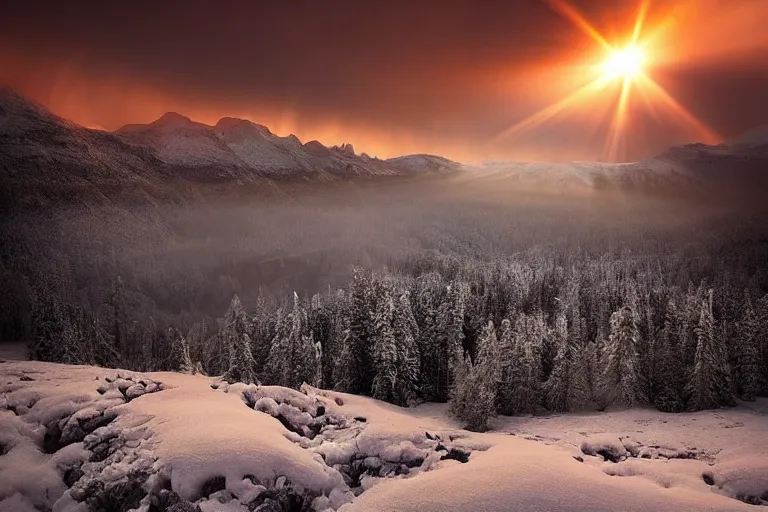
pixel 625 66
pixel 571 14
pixel 554 109
pixel 709 135
pixel 619 120
pixel 640 21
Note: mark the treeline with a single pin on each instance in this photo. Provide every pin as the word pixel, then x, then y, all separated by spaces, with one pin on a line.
pixel 539 331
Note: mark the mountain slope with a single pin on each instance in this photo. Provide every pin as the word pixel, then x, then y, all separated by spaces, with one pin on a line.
pixel 45 158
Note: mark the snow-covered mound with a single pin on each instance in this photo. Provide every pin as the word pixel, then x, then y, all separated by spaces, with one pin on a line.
pixel 76 438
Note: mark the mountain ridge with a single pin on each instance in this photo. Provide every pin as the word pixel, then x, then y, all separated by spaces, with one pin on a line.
pixel 44 156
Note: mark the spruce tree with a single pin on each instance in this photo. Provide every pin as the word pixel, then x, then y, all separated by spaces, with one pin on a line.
pixel 670 382
pixel 434 361
pixel 749 364
pixel 709 384
pixel 344 373
pixel 620 381
pixel 450 323
pixel 473 399
pixel 385 365
pixel 557 388
pixel 406 333
pixel 521 369
pixel 179 359
pixel 292 358
pixel 360 366
pixel 242 367
pixel 489 354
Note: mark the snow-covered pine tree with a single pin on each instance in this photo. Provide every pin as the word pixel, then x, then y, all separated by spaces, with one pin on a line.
pixel 620 380
pixel 582 367
pixel 242 367
pixel 262 332
pixel 521 369
pixel 179 359
pixel 748 353
pixel 359 371
pixel 450 323
pixel 472 398
pixel 457 401
pixel 709 385
pixel 557 388
pixel 292 357
pixel 489 355
pixel 406 332
pixel 434 361
pixel 343 368
pixel 384 347
pixel 670 378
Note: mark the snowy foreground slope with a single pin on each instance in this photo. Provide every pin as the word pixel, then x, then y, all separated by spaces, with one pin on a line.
pixel 76 438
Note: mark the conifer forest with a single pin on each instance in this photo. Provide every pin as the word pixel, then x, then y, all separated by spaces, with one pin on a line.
pixel 494 305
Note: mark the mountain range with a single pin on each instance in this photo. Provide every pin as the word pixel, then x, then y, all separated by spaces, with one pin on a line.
pixel 44 157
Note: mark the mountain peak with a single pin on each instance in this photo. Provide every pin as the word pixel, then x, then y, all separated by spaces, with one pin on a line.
pixel 315 145
pixel 345 148
pixel 234 124
pixel 172 119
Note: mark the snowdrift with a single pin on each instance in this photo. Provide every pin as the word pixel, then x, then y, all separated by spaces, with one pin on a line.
pixel 76 438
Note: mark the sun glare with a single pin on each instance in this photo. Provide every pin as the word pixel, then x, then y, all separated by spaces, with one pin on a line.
pixel 627 66
pixel 625 63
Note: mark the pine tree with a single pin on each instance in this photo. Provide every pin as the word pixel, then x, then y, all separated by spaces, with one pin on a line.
pixel 406 332
pixel 384 347
pixel 262 333
pixel 359 371
pixel 293 357
pixel 395 353
pixel 344 373
pixel 521 367
pixel 620 380
pixel 434 361
pixel 582 366
pixel 473 399
pixel 557 388
pixel 749 369
pixel 489 355
pixel 242 367
pixel 669 390
pixel 709 384
pixel 180 358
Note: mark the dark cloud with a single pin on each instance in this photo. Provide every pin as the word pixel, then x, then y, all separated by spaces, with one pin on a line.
pixel 391 77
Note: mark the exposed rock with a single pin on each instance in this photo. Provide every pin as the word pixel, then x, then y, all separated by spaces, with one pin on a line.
pixel 135 391
pixel 606 446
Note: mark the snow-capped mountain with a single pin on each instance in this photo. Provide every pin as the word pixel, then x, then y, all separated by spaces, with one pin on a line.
pixel 235 146
pixel 43 157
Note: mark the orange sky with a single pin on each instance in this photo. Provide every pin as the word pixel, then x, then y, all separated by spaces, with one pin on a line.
pixel 414 78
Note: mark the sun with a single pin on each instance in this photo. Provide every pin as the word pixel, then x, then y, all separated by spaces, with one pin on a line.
pixel 625 63
pixel 619 81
